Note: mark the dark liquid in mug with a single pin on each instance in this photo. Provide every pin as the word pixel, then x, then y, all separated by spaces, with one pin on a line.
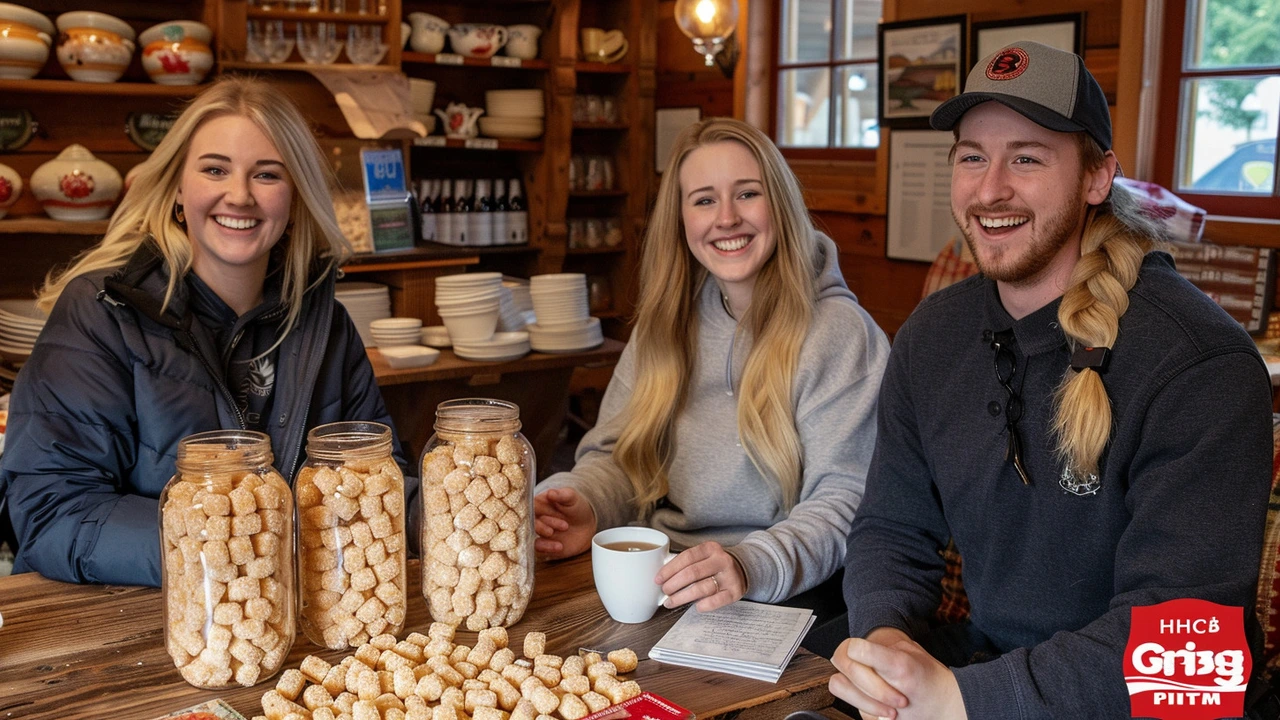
pixel 629 546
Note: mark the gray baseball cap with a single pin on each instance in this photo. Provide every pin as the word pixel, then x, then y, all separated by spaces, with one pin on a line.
pixel 1048 86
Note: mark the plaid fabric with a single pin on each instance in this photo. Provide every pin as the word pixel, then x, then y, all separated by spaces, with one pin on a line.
pixel 1182 221
pixel 1268 607
pixel 954 605
pixel 953 264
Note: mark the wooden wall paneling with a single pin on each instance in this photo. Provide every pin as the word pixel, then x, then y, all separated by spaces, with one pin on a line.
pixel 560 43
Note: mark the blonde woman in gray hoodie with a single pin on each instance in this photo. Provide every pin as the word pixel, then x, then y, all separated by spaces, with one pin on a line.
pixel 741 417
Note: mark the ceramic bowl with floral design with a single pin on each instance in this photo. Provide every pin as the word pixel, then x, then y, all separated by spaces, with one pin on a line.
pixel 76 185
pixel 94 46
pixel 25 39
pixel 177 52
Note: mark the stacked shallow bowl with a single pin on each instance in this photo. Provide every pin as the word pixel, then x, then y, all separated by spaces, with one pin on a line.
pixel 365 302
pixel 394 331
pixel 470 305
pixel 20 325
pixel 513 114
pixel 560 304
pixel 502 346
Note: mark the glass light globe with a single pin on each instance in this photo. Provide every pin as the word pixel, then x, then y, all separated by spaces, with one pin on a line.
pixel 708 23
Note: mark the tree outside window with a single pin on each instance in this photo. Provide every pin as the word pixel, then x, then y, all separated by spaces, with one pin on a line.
pixel 1227 90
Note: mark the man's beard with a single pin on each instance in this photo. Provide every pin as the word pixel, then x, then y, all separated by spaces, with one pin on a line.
pixel 1024 264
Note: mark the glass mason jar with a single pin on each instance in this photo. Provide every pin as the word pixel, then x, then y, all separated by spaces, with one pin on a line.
pixel 477 515
pixel 351 536
pixel 227 550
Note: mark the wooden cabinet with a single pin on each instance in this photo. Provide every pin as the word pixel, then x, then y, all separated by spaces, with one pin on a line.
pixel 95 115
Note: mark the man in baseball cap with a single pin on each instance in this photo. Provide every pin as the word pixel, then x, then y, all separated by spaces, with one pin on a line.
pixel 1090 430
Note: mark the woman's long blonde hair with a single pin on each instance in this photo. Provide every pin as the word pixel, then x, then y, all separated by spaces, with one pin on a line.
pixel 1117 236
pixel 147 210
pixel 666 328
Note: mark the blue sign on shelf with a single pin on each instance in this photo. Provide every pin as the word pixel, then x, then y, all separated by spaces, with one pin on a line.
pixel 383 174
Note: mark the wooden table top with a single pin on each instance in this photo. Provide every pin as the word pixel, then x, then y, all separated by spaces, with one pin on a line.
pixel 93 651
pixel 450 366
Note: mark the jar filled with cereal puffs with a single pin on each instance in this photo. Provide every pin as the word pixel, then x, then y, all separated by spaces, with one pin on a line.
pixel 351 536
pixel 227 546
pixel 477 515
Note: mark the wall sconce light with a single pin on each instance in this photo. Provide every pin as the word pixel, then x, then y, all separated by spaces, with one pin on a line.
pixel 710 24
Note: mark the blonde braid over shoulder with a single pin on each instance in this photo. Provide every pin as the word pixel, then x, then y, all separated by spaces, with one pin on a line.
pixel 1116 238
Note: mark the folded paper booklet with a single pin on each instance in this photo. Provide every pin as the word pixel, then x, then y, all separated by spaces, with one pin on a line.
pixel 746 638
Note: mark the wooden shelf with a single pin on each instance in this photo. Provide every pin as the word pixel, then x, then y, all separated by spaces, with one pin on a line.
pixel 601 126
pixel 73 87
pixel 429 254
pixel 307 16
pixel 450 60
pixel 583 66
pixel 49 226
pixel 598 193
pixel 606 250
pixel 483 144
pixel 608 314
pixel 304 67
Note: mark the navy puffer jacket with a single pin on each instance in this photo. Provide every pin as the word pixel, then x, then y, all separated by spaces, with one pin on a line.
pixel 112 386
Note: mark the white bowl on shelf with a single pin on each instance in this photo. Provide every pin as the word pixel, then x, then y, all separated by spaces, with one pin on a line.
pixel 396 323
pixel 436 336
pixel 409 356
pixel 471 326
pixel 25 39
pixel 94 46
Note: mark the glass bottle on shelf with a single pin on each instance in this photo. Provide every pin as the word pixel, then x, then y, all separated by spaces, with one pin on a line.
pixel 351 536
pixel 480 221
pixel 429 225
pixel 444 213
pixel 478 472
pixel 518 219
pixel 501 213
pixel 461 209
pixel 227 558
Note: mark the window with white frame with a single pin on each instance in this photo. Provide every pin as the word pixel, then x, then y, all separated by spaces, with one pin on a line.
pixel 826 73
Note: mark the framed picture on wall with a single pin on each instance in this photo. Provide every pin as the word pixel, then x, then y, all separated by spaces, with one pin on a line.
pixel 921 65
pixel 1064 32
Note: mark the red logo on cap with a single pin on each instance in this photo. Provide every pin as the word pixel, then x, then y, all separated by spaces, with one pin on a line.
pixel 1187 660
pixel 1009 64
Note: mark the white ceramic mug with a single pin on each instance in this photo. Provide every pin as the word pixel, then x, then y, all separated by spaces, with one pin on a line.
pixel 522 41
pixel 624 578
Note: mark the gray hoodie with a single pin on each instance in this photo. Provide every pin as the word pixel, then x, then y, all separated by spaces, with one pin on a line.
pixel 716 493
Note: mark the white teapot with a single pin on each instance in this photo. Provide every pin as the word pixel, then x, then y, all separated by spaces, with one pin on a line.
pixel 460 120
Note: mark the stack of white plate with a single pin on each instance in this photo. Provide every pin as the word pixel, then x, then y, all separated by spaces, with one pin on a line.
pixel 510 318
pixel 20 325
pixel 519 288
pixel 502 346
pixel 469 304
pixel 390 332
pixel 513 114
pixel 365 302
pixel 560 298
pixel 566 338
pixel 560 304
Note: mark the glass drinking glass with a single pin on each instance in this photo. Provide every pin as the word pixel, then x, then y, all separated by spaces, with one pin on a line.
pixel 277 44
pixel 364 44
pixel 318 43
